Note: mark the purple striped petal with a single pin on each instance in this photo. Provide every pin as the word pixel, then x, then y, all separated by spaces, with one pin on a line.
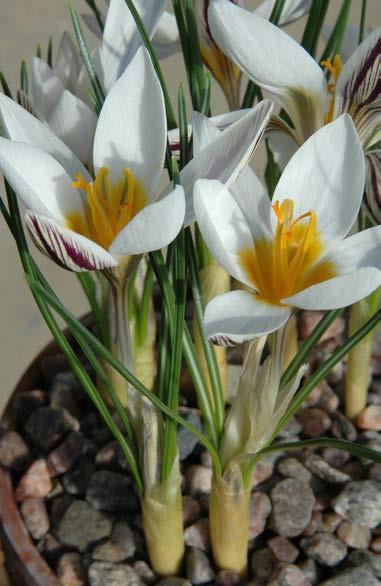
pixel 68 249
pixel 358 90
pixel 372 196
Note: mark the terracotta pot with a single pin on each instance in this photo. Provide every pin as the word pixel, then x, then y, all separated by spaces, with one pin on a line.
pixel 25 565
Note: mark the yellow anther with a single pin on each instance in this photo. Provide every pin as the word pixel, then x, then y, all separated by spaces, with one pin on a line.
pixel 109 206
pixel 290 262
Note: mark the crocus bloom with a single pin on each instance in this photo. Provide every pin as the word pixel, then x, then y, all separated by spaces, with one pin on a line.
pixel 127 168
pixel 86 223
pixel 222 68
pixel 298 84
pixel 291 253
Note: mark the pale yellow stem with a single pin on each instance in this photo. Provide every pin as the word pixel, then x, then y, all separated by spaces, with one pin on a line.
pixel 290 342
pixel 229 525
pixel 163 529
pixel 359 361
pixel 214 281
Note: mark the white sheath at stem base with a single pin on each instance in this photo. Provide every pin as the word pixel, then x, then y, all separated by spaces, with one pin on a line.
pixel 163 529
pixel 229 525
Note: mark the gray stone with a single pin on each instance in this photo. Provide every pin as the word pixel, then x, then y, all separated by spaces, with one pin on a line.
pixel 35 517
pixel 70 570
pixel 81 526
pixel 108 551
pixel 48 425
pixel 187 441
pixel 105 573
pixel 111 491
pixel 354 577
pixel 76 479
pixel 324 471
pixel 314 421
pixel 293 502
pixel 292 468
pixel 373 560
pixel 26 402
pixel 342 427
pixel 62 458
pixel 228 578
pixel 260 509
pixel 144 572
pixel 360 502
pixel 191 510
pixel 61 396
pixel 14 453
pixel 283 549
pixel 123 536
pixel 335 457
pixel 289 575
pixel 324 548
pixel 199 569
pixel 310 570
pixel 262 564
pixel 108 456
pixel 197 535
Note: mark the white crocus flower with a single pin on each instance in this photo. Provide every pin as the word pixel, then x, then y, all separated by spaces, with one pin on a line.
pixel 133 109
pixel 86 223
pixel 278 64
pixel 224 70
pixel 56 103
pixel 291 253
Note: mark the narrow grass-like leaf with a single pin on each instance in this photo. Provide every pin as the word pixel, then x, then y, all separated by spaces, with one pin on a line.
pixel 94 80
pixel 96 13
pixel 183 127
pixel 335 40
pixel 5 86
pixel 362 21
pixel 313 27
pixel 50 53
pixel 24 78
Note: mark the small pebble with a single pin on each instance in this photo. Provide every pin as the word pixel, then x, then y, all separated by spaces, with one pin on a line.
pixel 324 548
pixel 108 551
pixel 198 567
pixel 335 457
pixel 66 454
pixel 76 479
pixel 227 578
pixel 111 491
pixel 324 471
pixel 262 564
pixel 108 456
pixel 263 470
pixel 14 453
pixel 35 517
pixel 108 574
pixel 260 509
pixel 173 581
pixel 354 535
pixel 199 480
pixel 309 319
pixel 315 422
pixel 26 402
pixel 310 570
pixel 289 575
pixel 61 396
pixel 81 526
pixel 48 425
pixel 291 467
pixel 292 502
pixel 370 418
pixel 187 441
pixel 361 576
pixel 376 545
pixel 70 570
pixel 191 510
pixel 343 428
pixel 283 549
pixel 197 535
pixel 330 522
pixel 36 482
pixel 360 502
pixel 147 575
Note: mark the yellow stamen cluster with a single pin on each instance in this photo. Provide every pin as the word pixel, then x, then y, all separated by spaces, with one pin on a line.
pixel 334 67
pixel 290 262
pixel 109 206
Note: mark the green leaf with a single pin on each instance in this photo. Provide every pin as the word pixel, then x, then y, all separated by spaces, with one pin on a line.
pixel 335 40
pixel 5 86
pixel 50 53
pixel 313 27
pixel 24 78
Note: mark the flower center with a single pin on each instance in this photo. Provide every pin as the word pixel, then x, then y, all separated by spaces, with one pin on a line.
pixel 290 262
pixel 334 67
pixel 109 206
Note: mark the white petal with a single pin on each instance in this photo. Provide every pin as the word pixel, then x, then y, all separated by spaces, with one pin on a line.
pixel 154 227
pixel 358 251
pixel 38 180
pixel 121 38
pixel 67 248
pixel 68 64
pixel 47 87
pixel 166 40
pixel 225 157
pixel 74 123
pixel 283 147
pixel 292 10
pixel 223 226
pixel 239 316
pixel 24 127
pixel 274 61
pixel 339 291
pixel 358 89
pixel 326 175
pixel 132 128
